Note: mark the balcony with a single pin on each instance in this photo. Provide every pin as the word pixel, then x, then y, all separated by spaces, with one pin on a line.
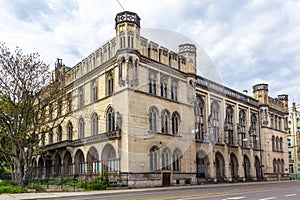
pixel 97 138
pixel 84 141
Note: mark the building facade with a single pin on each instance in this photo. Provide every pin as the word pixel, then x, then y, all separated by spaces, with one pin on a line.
pixel 293 143
pixel 140 112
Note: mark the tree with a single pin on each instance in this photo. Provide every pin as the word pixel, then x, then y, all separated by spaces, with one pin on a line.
pixel 27 89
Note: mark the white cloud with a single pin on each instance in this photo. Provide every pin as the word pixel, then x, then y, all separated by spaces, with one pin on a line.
pixel 250 42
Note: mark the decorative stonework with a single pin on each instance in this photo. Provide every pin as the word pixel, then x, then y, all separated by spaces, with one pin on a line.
pixel 127 16
pixel 183 48
pixel 260 87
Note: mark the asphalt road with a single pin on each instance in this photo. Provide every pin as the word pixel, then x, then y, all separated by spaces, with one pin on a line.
pixel 289 190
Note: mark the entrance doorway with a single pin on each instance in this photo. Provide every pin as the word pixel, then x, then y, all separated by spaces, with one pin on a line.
pixel 166 178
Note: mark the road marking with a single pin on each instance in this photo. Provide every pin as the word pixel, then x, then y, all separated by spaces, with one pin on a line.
pixel 233 198
pixel 290 195
pixel 268 198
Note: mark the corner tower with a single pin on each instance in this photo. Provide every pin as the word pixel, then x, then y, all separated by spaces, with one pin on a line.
pixel 261 93
pixel 127 30
pixel 189 52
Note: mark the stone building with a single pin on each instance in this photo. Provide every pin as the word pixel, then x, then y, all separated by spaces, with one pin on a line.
pixel 141 113
pixel 293 143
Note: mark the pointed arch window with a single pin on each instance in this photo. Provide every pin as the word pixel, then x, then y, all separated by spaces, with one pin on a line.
pixel 273 143
pixel 94 91
pixel 81 128
pixel 153 118
pixel 214 121
pixel 50 136
pixel 229 120
pixel 199 115
pixel 70 131
pixel 153 159
pixel 165 159
pixel 59 133
pixel 94 124
pixel 176 160
pixel 174 90
pixel 165 121
pixel 242 127
pixel 152 83
pixel 110 116
pixel 110 83
pixel 175 123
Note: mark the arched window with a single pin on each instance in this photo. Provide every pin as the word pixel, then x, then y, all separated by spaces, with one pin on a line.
pixel 165 157
pixel 253 128
pixel 242 127
pixel 94 124
pixel 174 90
pixel 59 133
pixel 280 144
pixel 275 165
pixel 199 115
pixel 199 107
pixel 229 120
pixel 176 160
pixel 70 131
pixel 81 128
pixel 110 83
pixel 153 159
pixel 153 116
pixel 110 117
pixel 282 166
pixel 253 122
pixel 277 144
pixel 165 121
pixel 152 83
pixel 229 115
pixel 50 136
pixel 273 143
pixel 214 121
pixel 94 91
pixel 175 123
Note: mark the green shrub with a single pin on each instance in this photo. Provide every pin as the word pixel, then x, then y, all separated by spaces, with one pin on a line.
pixel 100 183
pixel 9 189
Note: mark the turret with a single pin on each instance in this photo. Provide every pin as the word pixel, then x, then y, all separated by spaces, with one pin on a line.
pixel 128 30
pixel 189 52
pixel 284 98
pixel 261 92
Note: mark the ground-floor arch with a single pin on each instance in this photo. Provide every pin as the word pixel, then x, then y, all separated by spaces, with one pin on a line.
pixel 79 162
pixel 257 168
pixel 246 164
pixel 93 162
pixel 233 167
pixel 202 164
pixel 109 158
pixel 67 163
pixel 220 166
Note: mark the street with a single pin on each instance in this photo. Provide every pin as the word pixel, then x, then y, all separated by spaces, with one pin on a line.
pixel 289 190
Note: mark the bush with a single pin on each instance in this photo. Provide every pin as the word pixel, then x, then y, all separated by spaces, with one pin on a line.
pixel 100 183
pixel 37 186
pixel 11 189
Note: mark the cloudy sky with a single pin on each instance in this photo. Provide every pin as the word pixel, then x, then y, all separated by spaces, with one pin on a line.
pixel 248 41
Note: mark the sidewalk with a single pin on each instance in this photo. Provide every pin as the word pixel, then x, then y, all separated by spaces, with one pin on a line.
pixel 27 196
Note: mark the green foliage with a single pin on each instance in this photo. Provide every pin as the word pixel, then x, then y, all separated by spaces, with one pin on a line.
pixel 37 186
pixel 10 188
pixel 100 183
